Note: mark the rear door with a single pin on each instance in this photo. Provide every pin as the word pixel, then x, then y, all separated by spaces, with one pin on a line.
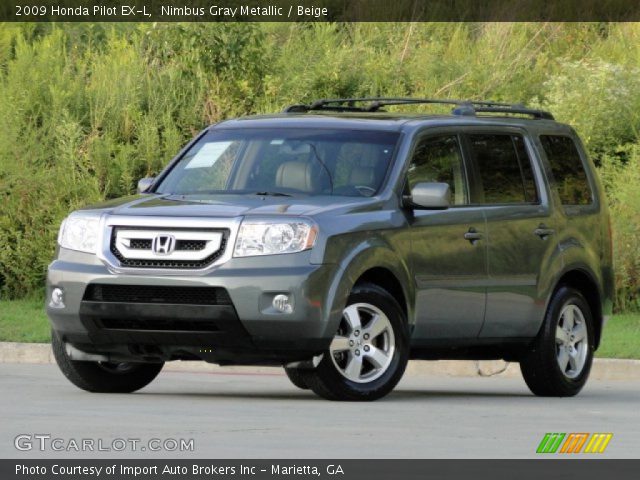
pixel 450 270
pixel 520 229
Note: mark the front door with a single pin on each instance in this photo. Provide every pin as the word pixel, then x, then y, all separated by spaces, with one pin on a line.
pixel 449 248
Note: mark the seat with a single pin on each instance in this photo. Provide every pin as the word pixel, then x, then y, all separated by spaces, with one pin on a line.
pixel 297 175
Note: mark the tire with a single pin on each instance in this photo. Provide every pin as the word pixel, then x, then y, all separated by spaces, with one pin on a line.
pixel 104 377
pixel 380 356
pixel 558 362
pixel 297 377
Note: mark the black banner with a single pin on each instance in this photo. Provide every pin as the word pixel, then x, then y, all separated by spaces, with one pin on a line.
pixel 318 10
pixel 340 469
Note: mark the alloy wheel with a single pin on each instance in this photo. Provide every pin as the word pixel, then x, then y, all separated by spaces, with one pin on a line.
pixel 363 347
pixel 572 343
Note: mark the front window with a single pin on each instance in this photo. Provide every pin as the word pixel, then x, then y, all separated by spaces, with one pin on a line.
pixel 290 161
pixel 439 159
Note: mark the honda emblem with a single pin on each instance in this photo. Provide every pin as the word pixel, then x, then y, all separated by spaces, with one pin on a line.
pixel 163 244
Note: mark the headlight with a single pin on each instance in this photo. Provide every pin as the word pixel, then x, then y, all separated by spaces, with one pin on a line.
pixel 80 231
pixel 272 238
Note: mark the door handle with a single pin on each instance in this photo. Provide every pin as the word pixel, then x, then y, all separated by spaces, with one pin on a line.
pixel 473 236
pixel 543 232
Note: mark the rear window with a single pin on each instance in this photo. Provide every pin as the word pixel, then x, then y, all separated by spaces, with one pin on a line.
pixel 567 169
pixel 504 168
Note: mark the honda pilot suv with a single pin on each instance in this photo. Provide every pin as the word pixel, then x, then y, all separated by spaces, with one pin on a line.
pixel 340 240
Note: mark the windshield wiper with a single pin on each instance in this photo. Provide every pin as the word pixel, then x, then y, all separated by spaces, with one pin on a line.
pixel 273 194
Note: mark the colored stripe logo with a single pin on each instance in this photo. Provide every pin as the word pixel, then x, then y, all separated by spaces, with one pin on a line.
pixel 574 443
pixel 550 443
pixel 598 443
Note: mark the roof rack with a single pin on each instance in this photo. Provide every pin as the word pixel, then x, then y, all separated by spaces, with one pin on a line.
pixel 374 104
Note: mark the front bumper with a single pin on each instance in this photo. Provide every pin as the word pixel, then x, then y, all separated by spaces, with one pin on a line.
pixel 244 330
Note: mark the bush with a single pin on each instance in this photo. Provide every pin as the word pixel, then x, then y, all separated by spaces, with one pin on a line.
pixel 622 180
pixel 599 99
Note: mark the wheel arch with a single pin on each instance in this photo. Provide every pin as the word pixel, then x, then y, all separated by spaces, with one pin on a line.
pixel 386 279
pixel 583 280
pixel 374 262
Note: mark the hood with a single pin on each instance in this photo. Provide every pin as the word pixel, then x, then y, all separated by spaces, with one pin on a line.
pixel 225 205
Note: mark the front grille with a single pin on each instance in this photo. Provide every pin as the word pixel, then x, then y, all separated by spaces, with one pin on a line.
pixel 141 244
pixel 157 324
pixel 182 245
pixel 157 294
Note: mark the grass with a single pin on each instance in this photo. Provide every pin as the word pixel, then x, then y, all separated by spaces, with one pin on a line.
pixel 25 321
pixel 621 338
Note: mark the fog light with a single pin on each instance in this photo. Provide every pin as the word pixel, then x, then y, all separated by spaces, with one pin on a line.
pixel 57 298
pixel 282 303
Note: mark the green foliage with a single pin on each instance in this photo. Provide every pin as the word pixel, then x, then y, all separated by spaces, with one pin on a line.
pixel 598 98
pixel 87 109
pixel 622 181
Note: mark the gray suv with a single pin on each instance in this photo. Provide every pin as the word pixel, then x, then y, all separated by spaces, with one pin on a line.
pixel 340 240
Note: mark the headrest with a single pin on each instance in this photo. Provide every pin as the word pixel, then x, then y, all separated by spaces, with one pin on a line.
pixel 296 175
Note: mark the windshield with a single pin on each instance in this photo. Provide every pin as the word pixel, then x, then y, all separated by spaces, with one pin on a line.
pixel 287 161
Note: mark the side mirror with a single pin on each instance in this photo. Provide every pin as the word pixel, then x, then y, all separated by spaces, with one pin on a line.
pixel 145 183
pixel 431 195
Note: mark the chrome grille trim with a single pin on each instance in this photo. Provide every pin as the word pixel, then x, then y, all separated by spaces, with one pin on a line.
pixel 124 238
pixel 219 233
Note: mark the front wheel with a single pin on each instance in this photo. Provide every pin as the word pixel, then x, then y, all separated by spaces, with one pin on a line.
pixel 369 352
pixel 297 377
pixel 104 377
pixel 559 361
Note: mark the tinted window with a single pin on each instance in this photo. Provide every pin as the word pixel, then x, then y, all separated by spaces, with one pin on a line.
pixel 504 168
pixel 567 169
pixel 530 190
pixel 439 159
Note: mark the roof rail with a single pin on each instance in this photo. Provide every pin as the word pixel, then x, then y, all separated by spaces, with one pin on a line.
pixel 374 104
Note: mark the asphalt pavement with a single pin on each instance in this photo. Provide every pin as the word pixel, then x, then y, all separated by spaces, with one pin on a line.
pixel 262 415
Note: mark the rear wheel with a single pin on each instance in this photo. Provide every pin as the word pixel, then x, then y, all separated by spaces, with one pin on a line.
pixel 559 360
pixel 104 377
pixel 369 352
